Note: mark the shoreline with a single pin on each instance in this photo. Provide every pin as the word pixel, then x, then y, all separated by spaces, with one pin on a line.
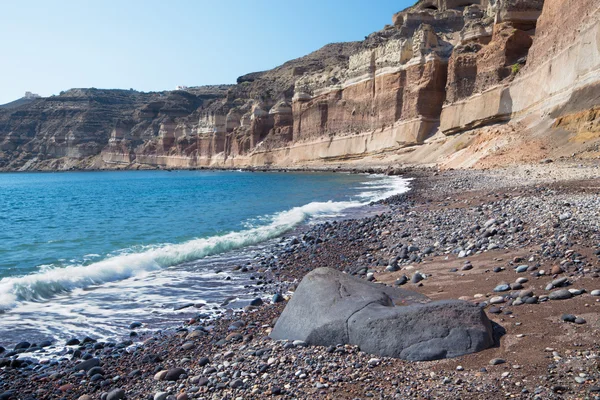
pixel 245 257
pixel 242 361
pixel 375 169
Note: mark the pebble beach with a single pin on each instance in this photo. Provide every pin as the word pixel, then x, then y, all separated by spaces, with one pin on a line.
pixel 522 242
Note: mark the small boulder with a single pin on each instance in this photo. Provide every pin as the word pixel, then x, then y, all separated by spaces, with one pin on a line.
pixel 116 394
pixel 331 308
pixel 174 374
pixel 561 294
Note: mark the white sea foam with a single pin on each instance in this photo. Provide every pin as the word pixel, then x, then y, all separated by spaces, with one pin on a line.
pixel 49 282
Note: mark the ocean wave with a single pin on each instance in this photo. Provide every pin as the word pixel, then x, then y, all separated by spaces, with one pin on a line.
pixel 51 282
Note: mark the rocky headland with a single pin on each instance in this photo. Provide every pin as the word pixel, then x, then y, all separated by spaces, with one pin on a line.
pixel 473 83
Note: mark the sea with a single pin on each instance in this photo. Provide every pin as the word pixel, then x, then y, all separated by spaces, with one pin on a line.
pixel 87 253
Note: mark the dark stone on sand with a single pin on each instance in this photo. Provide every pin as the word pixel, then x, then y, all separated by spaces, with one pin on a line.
pixel 531 300
pixel 495 310
pixel 568 318
pixel 256 302
pixel 402 280
pixel 236 383
pixel 203 361
pixel 331 308
pixel 174 374
pixel 561 294
pixel 417 277
pixel 87 364
pixel 560 282
pixel 73 342
pixel 277 298
pixel 497 269
pixel 116 394
pixel 95 370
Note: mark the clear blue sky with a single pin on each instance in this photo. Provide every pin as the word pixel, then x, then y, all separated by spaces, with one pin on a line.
pixel 49 46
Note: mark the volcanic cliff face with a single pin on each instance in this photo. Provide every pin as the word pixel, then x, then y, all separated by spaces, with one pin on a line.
pixel 443 67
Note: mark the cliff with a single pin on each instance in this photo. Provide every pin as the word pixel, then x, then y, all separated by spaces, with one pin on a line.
pixel 453 82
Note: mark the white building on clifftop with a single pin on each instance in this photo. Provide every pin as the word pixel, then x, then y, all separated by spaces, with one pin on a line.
pixel 29 95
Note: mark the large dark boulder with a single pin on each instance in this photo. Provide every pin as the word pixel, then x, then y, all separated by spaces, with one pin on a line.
pixel 330 308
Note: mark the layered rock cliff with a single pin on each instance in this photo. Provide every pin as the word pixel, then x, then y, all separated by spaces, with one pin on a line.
pixel 443 67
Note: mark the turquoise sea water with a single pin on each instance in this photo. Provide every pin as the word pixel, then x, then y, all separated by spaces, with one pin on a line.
pixel 92 250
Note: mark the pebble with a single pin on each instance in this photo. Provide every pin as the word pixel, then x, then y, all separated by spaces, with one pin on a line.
pixel 568 318
pixel 503 287
pixel 235 384
pixel 497 361
pixel 561 294
pixel 66 388
pixel 256 302
pixel 560 282
pixel 556 270
pixel 87 364
pixel 392 268
pixel 497 300
pixel 160 375
pixel 161 396
pixel 516 286
pixel 135 325
pixel 116 394
pixel 522 268
pixel 203 361
pixel 595 292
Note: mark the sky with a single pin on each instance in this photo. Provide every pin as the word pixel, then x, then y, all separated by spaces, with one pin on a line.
pixel 153 45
